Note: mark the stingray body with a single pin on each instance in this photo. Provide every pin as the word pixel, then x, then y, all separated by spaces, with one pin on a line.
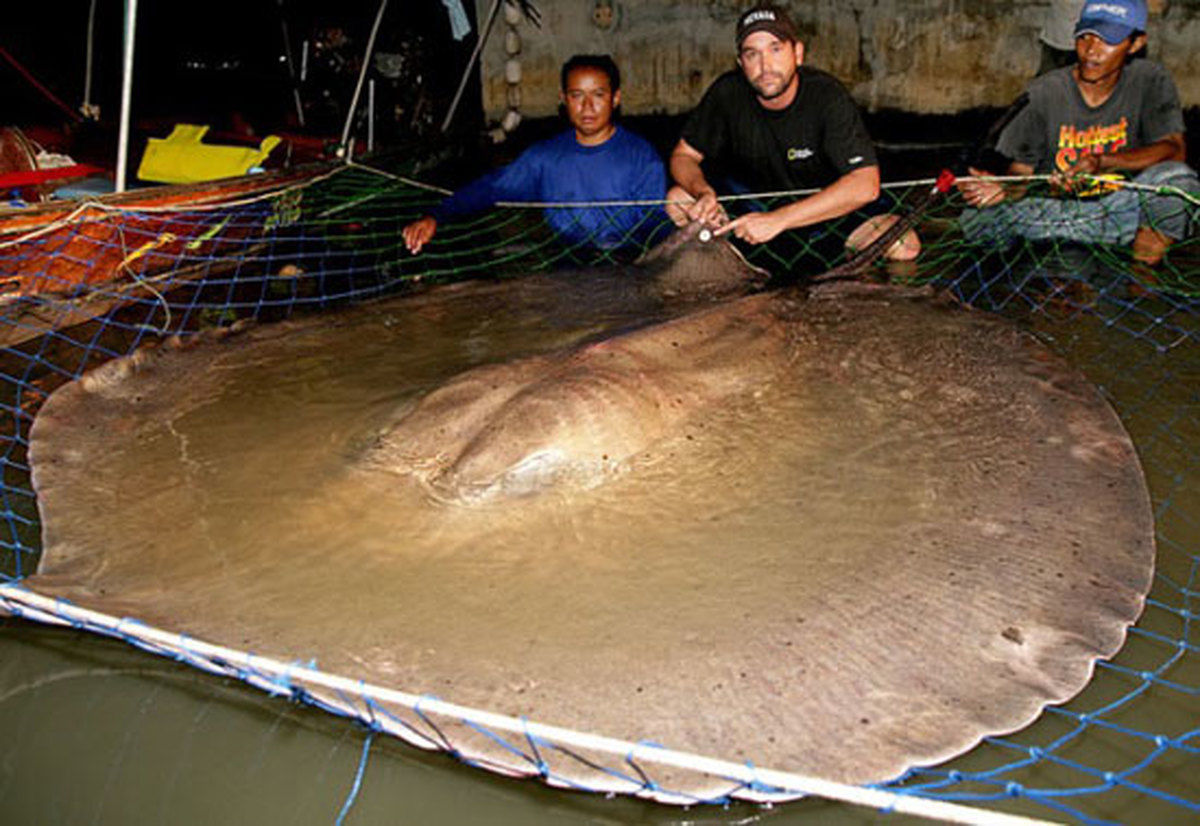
pixel 575 417
pixel 842 533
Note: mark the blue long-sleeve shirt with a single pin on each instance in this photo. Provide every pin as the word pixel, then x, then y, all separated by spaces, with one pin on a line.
pixel 561 170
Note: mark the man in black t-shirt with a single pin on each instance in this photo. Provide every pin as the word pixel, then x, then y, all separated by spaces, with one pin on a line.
pixel 775 125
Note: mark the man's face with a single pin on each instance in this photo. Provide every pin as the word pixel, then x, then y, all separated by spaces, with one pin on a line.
pixel 1099 60
pixel 590 101
pixel 769 64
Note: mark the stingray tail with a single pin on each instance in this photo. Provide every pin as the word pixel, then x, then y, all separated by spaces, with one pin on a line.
pixel 874 250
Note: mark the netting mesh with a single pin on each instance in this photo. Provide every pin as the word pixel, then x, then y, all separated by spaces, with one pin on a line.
pixel 86 286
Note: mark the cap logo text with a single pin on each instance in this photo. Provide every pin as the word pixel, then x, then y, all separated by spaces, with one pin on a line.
pixel 758 16
pixel 1106 8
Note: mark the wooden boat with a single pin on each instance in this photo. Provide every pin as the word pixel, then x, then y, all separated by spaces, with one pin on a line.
pixel 58 247
pixel 62 262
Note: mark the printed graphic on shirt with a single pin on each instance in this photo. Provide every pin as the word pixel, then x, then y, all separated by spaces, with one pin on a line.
pixel 803 153
pixel 1074 143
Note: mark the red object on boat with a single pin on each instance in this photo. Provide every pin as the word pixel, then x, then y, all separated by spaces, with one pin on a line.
pixel 14 180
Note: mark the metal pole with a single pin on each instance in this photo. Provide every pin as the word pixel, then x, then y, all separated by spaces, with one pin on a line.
pixel 371 115
pixel 345 150
pixel 87 72
pixel 462 84
pixel 291 64
pixel 126 93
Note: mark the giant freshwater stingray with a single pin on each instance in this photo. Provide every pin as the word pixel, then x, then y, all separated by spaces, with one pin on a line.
pixel 840 531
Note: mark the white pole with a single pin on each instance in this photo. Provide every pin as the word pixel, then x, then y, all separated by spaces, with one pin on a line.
pixel 126 93
pixel 462 84
pixel 258 671
pixel 345 150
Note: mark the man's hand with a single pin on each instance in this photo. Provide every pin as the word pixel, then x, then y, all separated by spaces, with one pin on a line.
pixel 694 197
pixel 684 209
pixel 707 209
pixel 754 227
pixel 979 193
pixel 1079 174
pixel 1089 163
pixel 418 233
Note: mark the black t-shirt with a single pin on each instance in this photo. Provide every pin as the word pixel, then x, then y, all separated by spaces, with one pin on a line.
pixel 816 140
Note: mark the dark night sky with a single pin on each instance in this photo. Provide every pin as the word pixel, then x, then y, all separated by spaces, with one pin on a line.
pixel 179 77
pixel 219 56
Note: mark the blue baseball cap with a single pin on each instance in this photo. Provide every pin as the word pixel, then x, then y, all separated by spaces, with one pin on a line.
pixel 1112 20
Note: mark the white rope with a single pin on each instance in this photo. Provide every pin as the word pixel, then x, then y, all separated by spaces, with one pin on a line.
pixel 20 601
pixel 212 203
pixel 782 193
pixel 1154 190
pixel 400 178
pixel 786 193
pixel 353 202
pixel 1114 182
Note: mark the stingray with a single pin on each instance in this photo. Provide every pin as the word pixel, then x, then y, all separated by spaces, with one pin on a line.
pixel 839 531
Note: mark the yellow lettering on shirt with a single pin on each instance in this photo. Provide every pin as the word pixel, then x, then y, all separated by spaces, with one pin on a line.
pixel 1073 143
pixel 1098 140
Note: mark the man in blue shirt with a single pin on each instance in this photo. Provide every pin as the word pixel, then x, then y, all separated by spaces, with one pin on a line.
pixel 594 161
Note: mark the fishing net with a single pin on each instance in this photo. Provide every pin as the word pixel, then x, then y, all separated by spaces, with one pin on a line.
pixel 86 285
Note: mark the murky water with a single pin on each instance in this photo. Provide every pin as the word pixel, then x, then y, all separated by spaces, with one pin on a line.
pixel 146 741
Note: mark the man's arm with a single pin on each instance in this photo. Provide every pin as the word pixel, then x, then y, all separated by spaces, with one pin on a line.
pixel 980 193
pixel 1022 136
pixel 1173 147
pixel 1169 148
pixel 849 192
pixel 520 180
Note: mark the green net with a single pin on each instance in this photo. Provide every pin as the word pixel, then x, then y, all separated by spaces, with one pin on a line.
pixel 85 285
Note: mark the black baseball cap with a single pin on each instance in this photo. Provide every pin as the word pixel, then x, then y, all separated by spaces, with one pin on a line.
pixel 766 18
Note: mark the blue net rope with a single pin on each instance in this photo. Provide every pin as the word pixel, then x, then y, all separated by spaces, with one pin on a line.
pixel 82 287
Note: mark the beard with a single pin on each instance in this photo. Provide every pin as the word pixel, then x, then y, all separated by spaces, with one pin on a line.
pixel 770 85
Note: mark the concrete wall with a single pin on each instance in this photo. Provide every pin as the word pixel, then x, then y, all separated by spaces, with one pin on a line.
pixel 924 56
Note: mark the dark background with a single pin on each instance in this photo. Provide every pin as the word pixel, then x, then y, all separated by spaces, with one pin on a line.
pixel 222 62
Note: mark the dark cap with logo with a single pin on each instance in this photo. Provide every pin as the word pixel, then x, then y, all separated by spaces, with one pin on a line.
pixel 766 18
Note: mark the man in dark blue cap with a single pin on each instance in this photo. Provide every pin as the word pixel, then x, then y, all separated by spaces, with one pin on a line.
pixel 1106 115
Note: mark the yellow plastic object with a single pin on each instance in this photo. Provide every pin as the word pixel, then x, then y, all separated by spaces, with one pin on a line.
pixel 180 158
